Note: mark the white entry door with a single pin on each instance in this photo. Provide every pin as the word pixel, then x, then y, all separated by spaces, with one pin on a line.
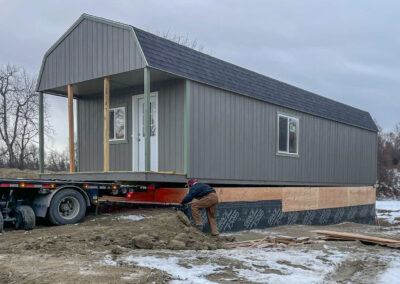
pixel 138 129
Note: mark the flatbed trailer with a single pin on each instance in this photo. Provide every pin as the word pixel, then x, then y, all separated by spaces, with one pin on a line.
pixel 60 201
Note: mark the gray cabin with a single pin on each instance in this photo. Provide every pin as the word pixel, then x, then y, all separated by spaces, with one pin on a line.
pixel 151 110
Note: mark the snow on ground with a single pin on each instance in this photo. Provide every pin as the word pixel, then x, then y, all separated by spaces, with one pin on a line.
pixel 132 217
pixel 290 265
pixel 393 210
pixel 186 274
pixel 392 273
pixel 388 204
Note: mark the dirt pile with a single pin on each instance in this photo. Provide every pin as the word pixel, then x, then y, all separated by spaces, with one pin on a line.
pixel 146 229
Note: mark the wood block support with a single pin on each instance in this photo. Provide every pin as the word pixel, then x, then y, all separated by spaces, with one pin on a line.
pixel 71 129
pixel 106 124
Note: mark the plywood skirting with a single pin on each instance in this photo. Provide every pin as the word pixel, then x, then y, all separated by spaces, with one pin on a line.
pixel 233 194
pixel 311 198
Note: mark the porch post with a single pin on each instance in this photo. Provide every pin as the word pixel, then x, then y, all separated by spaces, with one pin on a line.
pixel 146 92
pixel 106 124
pixel 71 129
pixel 41 134
pixel 186 128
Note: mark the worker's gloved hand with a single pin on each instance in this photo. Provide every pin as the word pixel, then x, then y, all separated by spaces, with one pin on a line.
pixel 185 209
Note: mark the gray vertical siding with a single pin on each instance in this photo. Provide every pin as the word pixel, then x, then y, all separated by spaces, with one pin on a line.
pixel 170 119
pixel 90 127
pixel 234 137
pixel 93 49
pixel 90 136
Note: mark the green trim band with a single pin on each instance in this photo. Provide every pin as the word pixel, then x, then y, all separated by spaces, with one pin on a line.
pixel 186 123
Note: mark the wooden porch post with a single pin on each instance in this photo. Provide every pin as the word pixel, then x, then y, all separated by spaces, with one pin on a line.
pixel 106 124
pixel 71 129
pixel 146 84
pixel 41 134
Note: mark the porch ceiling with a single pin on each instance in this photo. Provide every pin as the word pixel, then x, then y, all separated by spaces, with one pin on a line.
pixel 117 81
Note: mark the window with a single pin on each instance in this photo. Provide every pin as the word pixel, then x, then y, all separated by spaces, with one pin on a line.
pixel 288 134
pixel 117 123
pixel 152 119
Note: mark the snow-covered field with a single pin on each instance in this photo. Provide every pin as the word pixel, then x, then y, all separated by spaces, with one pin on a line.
pixel 389 210
pixel 293 265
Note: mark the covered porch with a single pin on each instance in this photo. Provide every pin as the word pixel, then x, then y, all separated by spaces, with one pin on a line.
pixel 131 126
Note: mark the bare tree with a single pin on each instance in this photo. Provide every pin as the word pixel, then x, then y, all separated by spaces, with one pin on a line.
pixel 19 116
pixel 57 161
pixel 387 163
pixel 182 40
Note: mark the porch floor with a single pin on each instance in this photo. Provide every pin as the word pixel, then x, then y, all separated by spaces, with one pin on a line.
pixel 118 176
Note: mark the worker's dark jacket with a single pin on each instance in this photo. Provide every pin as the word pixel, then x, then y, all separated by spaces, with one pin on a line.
pixel 198 190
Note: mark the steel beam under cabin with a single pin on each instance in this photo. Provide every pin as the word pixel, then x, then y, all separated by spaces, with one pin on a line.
pixel 106 123
pixel 41 134
pixel 146 91
pixel 71 129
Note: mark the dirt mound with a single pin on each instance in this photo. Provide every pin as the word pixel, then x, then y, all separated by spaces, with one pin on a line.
pixel 147 229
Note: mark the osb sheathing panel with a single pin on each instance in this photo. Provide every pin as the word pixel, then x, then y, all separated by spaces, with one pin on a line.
pixel 233 194
pixel 309 198
pixel 299 198
pixel 362 195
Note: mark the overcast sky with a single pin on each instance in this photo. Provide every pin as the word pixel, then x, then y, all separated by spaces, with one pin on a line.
pixel 348 51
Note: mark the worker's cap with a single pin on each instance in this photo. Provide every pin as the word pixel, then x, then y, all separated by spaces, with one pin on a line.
pixel 191 182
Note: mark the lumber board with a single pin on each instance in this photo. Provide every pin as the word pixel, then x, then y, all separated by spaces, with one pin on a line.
pixel 359 237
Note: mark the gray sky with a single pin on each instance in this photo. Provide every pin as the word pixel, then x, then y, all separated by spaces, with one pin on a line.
pixel 344 50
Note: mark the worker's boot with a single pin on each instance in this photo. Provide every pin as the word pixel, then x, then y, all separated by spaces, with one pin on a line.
pixel 199 227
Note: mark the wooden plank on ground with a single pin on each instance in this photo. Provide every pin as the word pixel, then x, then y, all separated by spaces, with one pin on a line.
pixel 358 237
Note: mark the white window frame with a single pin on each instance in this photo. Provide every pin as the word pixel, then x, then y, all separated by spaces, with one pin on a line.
pixel 119 139
pixel 287 153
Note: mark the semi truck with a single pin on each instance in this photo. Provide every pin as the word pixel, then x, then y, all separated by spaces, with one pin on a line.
pixel 60 201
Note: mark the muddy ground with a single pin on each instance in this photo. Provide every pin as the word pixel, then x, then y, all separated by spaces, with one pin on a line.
pixel 159 246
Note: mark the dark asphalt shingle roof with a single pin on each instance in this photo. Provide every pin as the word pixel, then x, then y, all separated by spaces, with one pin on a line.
pixel 189 63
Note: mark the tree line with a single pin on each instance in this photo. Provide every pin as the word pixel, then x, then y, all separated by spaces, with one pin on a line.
pixel 19 123
pixel 388 163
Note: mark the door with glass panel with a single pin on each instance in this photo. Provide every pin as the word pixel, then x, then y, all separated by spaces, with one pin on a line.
pixel 139 138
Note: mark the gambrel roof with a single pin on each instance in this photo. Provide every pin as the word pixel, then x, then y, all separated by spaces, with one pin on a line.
pixel 166 55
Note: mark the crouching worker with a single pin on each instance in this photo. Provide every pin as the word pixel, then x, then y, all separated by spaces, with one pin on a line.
pixel 202 196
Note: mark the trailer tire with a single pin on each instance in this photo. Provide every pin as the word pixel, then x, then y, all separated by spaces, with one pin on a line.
pixel 67 207
pixel 26 218
pixel 1 222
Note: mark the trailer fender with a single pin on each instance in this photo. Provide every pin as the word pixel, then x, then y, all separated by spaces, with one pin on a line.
pixel 42 202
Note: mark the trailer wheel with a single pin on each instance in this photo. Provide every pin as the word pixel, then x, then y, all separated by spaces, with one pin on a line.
pixel 1 222
pixel 67 207
pixel 26 218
